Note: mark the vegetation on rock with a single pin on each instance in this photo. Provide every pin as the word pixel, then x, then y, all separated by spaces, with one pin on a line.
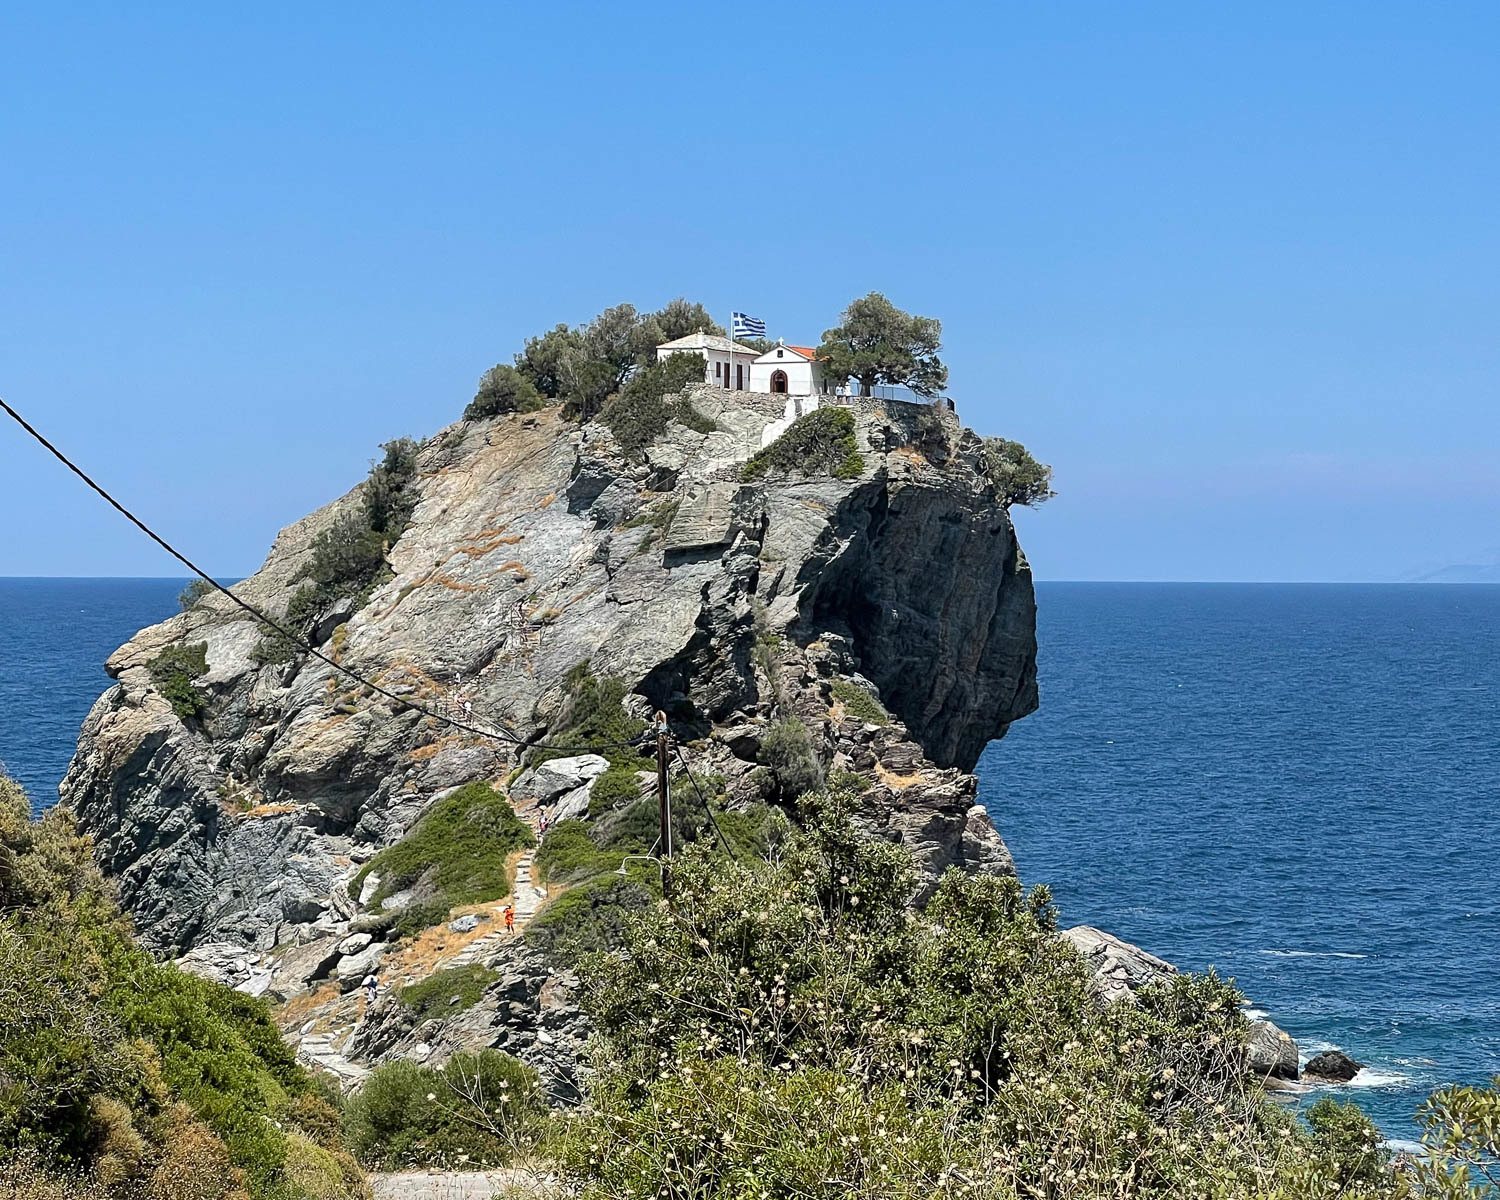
pixel 347 561
pixel 448 991
pixel 456 854
pixel 641 412
pixel 878 343
pixel 174 671
pixel 503 389
pixel 121 1078
pixel 1016 476
pixel 787 751
pixel 820 443
pixel 192 593
pixel 858 703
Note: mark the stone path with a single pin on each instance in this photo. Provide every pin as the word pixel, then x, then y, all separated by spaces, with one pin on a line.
pixel 527 898
pixel 319 1050
pixel 459 1185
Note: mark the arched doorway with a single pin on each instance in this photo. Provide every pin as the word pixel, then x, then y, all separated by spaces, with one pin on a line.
pixel 778 382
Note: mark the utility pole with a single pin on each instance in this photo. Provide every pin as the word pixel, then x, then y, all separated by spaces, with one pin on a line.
pixel 663 786
pixel 664 806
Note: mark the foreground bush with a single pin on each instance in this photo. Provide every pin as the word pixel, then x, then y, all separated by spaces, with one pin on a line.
pixel 795 1028
pixel 475 1111
pixel 122 1078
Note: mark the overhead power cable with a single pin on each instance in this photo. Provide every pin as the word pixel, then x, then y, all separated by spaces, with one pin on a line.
pixel 500 733
pixel 707 807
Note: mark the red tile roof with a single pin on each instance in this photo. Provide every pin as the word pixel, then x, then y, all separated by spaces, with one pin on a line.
pixel 807 352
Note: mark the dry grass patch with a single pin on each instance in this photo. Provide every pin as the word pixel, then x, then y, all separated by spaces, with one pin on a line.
pixel 894 781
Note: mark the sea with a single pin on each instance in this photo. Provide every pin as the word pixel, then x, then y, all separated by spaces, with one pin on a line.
pixel 1295 785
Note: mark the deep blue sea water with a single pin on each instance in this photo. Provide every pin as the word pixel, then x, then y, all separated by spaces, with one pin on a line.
pixel 1299 785
pixel 1296 784
pixel 54 637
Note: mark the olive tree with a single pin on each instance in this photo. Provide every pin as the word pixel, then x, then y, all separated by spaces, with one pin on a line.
pixel 878 343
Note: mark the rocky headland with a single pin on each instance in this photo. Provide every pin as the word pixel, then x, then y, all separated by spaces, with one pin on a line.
pixel 891 612
pixel 887 610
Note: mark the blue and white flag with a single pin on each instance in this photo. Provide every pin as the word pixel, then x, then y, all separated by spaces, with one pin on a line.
pixel 743 325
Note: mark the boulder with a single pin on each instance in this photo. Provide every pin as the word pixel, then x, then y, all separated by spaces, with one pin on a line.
pixel 299 967
pixel 1334 1065
pixel 465 924
pixel 556 777
pixel 1270 1052
pixel 1118 968
pixel 353 968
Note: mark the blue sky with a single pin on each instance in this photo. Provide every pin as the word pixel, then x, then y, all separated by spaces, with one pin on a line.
pixel 1232 271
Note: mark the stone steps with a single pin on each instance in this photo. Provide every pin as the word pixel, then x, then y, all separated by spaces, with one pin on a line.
pixel 526 899
pixel 319 1050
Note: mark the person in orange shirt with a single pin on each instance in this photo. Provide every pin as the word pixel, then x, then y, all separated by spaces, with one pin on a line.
pixel 510 919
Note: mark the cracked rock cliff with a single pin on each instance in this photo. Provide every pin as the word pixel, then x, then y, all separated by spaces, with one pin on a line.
pixel 891 611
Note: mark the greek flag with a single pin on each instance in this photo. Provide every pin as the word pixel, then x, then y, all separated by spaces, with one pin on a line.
pixel 743 325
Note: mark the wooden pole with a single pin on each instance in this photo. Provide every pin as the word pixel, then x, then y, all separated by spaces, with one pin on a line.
pixel 663 786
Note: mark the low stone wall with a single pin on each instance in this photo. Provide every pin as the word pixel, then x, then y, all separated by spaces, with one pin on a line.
pixel 773 404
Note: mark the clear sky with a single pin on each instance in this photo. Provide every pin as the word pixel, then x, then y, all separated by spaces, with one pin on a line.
pixel 1232 269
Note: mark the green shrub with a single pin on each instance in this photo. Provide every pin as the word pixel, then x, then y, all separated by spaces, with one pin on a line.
pixel 593 714
pixel 858 703
pixel 568 855
pixel 389 496
pixel 1014 474
pixel 820 443
pixel 194 592
pixel 449 991
pixel 619 786
pixel 475 1111
pixel 503 389
pixel 786 749
pixel 641 412
pixel 174 670
pixel 454 855
pixel 126 1076
pixel 591 916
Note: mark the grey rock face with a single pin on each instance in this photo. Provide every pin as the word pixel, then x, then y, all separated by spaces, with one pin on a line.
pixel 536 546
pixel 1119 969
pixel 556 777
pixel 1272 1052
pixel 352 968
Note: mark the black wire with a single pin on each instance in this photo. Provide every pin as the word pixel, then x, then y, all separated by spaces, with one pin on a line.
pixel 708 808
pixel 504 735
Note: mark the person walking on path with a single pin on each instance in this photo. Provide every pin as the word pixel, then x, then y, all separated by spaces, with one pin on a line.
pixel 372 989
pixel 510 919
